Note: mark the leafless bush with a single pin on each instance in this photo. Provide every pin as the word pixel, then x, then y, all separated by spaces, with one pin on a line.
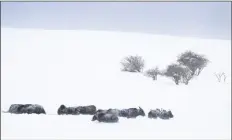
pixel 186 75
pixel 153 73
pixel 220 76
pixel 179 73
pixel 133 64
pixel 195 62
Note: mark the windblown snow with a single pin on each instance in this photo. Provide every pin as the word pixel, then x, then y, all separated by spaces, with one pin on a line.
pixel 54 67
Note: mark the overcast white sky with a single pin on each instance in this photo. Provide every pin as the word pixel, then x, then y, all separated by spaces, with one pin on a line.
pixel 197 19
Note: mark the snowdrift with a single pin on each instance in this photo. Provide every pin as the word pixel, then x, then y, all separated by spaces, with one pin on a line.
pixel 52 67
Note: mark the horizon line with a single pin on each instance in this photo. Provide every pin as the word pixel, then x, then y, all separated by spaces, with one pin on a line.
pixel 112 30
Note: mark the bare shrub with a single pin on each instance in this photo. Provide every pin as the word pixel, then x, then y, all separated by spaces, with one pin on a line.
pixel 179 73
pixel 220 76
pixel 195 62
pixel 153 73
pixel 186 75
pixel 133 64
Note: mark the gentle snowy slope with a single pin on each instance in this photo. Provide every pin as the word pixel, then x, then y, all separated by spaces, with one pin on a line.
pixel 51 68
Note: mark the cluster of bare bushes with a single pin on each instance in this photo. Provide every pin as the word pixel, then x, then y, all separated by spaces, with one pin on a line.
pixel 188 65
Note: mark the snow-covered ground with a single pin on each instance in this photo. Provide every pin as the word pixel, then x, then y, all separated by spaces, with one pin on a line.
pixel 54 67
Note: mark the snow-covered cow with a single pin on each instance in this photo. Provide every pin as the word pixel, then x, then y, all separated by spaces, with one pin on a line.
pixel 162 114
pixel 26 108
pixel 132 112
pixel 87 110
pixel 129 113
pixel 102 116
pixel 63 110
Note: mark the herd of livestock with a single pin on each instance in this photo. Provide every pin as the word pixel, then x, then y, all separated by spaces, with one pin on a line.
pixel 109 115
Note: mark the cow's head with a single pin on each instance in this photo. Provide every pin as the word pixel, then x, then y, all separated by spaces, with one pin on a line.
pixel 141 112
pixel 62 107
pixel 94 117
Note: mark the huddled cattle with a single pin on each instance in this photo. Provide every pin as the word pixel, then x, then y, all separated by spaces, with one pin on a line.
pixel 63 110
pixel 131 112
pixel 128 113
pixel 87 110
pixel 26 108
pixel 162 114
pixel 105 116
pixel 108 115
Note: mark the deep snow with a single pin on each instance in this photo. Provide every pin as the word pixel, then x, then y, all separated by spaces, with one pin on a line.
pixel 54 67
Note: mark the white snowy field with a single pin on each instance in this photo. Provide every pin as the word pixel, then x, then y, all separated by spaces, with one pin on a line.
pixel 51 67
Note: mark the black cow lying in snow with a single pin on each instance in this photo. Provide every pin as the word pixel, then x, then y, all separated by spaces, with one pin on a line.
pixel 163 114
pixel 103 116
pixel 129 113
pixel 111 115
pixel 88 110
pixel 63 110
pixel 26 108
